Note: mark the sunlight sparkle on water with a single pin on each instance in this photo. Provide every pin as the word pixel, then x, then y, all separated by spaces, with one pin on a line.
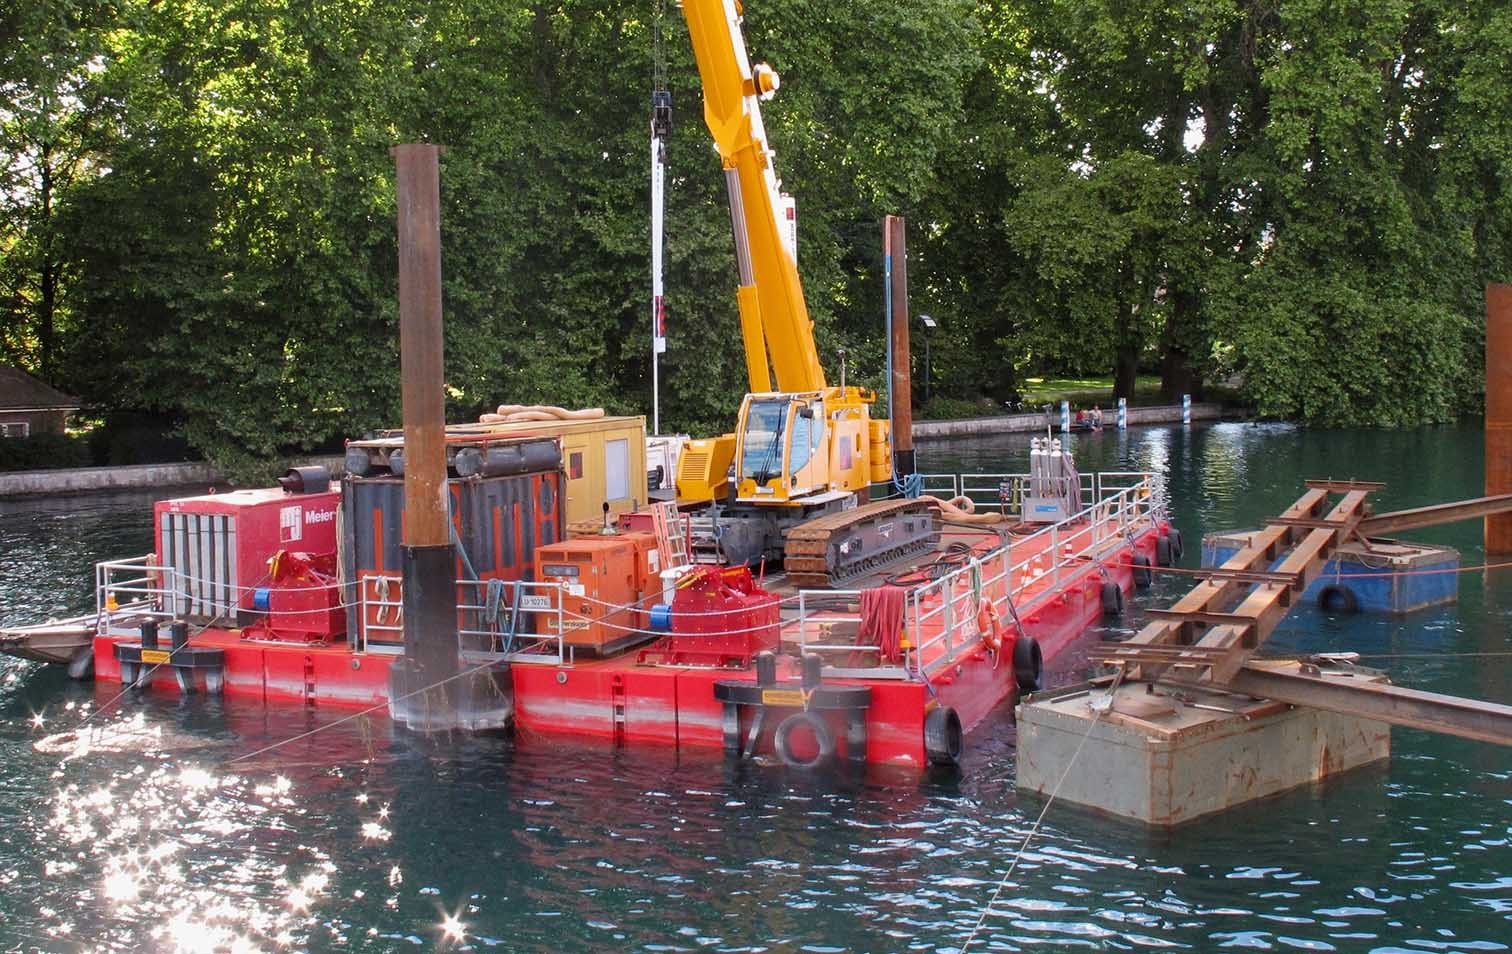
pixel 452 928
pixel 122 886
pixel 375 831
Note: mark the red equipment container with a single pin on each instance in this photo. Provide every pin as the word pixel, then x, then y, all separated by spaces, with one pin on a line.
pixel 720 617
pixel 219 546
pixel 599 577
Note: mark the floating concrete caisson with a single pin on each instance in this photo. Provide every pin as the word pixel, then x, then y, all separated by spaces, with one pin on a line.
pixel 1165 758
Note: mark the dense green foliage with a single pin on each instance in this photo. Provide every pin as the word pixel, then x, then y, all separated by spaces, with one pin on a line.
pixel 197 216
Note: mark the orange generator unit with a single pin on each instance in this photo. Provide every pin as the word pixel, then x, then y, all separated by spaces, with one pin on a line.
pixel 604 580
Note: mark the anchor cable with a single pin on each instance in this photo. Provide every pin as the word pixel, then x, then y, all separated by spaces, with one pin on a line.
pixel 1034 829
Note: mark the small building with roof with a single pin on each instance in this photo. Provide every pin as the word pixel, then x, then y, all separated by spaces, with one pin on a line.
pixel 29 406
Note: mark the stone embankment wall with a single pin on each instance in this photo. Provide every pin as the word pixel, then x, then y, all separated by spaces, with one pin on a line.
pixel 78 480
pixel 1026 423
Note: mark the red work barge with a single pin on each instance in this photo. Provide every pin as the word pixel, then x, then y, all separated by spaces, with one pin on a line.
pixel 293 597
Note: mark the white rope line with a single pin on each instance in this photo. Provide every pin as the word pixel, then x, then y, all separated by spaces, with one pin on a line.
pixel 143 678
pixel 1024 846
pixel 358 714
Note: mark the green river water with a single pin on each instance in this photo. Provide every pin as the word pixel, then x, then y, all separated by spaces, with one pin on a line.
pixel 359 837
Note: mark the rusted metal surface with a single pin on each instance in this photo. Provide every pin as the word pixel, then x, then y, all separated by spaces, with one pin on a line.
pixel 1344 486
pixel 1399 520
pixel 901 385
pixel 421 367
pixel 1222 636
pixel 1498 412
pixel 1367 698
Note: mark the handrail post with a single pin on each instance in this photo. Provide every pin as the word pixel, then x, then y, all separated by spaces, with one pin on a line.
pixel 1008 571
pixel 802 622
pixel 949 595
pixel 1055 554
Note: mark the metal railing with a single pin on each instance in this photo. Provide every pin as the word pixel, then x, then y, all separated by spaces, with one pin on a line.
pixel 131 589
pixel 513 621
pixel 1008 577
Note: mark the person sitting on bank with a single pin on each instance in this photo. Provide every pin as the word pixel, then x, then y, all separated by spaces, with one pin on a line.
pixel 1096 416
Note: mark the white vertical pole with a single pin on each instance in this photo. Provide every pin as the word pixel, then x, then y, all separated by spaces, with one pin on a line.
pixel 1186 409
pixel 1123 413
pixel 658 302
pixel 1065 417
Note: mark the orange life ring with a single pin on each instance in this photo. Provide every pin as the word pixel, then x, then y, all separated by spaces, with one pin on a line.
pixel 990 625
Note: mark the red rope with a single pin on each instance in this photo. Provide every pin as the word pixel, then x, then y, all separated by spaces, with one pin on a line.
pixel 882 611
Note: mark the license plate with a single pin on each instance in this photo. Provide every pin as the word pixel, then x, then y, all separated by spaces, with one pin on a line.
pixel 154 656
pixel 781 697
pixel 535 602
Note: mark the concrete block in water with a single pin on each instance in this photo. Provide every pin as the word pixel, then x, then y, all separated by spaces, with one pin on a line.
pixel 1162 760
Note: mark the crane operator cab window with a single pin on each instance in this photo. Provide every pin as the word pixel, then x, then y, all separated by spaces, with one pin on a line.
pixel 765 428
pixel 808 433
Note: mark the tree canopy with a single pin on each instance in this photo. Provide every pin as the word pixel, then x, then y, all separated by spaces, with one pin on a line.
pixel 197 212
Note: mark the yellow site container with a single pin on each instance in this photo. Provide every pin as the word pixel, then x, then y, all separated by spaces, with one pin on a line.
pixel 605 460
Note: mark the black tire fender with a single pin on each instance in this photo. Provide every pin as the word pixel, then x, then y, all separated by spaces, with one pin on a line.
pixel 1163 550
pixel 823 738
pixel 1028 663
pixel 1338 598
pixel 1112 599
pixel 1143 575
pixel 943 737
pixel 1176 546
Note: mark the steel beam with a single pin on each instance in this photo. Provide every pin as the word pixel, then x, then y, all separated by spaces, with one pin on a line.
pixel 421 369
pixel 1399 520
pixel 1414 708
pixel 1498 529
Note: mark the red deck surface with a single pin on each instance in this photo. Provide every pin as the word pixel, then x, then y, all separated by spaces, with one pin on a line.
pixel 620 700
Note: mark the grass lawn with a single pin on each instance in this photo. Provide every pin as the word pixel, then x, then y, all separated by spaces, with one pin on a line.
pixel 1086 391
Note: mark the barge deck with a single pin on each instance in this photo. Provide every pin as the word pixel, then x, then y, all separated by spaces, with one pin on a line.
pixel 891 670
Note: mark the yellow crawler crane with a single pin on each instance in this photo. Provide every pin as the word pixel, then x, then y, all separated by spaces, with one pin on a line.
pixel 803 449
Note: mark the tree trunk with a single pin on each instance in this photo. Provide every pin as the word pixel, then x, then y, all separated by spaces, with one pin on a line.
pixel 1126 354
pixel 1125 371
pixel 1176 374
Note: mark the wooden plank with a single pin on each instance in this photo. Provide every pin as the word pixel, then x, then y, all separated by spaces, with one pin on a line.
pixel 1255 557
pixel 1306 560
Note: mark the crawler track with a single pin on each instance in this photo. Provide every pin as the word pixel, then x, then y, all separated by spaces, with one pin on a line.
pixel 834 549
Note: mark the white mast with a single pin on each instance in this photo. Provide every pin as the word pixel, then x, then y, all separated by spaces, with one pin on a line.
pixel 661 128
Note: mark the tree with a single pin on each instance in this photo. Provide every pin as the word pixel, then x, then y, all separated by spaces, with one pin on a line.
pixel 51 114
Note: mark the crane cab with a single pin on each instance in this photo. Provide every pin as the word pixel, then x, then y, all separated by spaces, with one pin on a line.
pixel 793 447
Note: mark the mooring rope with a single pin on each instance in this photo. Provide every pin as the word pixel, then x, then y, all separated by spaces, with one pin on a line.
pixel 1024 846
pixel 144 678
pixel 357 715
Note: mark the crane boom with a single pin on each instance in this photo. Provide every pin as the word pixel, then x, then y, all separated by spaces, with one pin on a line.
pixel 803 454
pixel 774 318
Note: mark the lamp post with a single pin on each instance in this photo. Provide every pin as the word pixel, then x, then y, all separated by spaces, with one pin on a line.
pixel 929 326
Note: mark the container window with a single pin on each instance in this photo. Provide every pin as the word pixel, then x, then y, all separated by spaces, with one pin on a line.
pixel 575 465
pixel 617 469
